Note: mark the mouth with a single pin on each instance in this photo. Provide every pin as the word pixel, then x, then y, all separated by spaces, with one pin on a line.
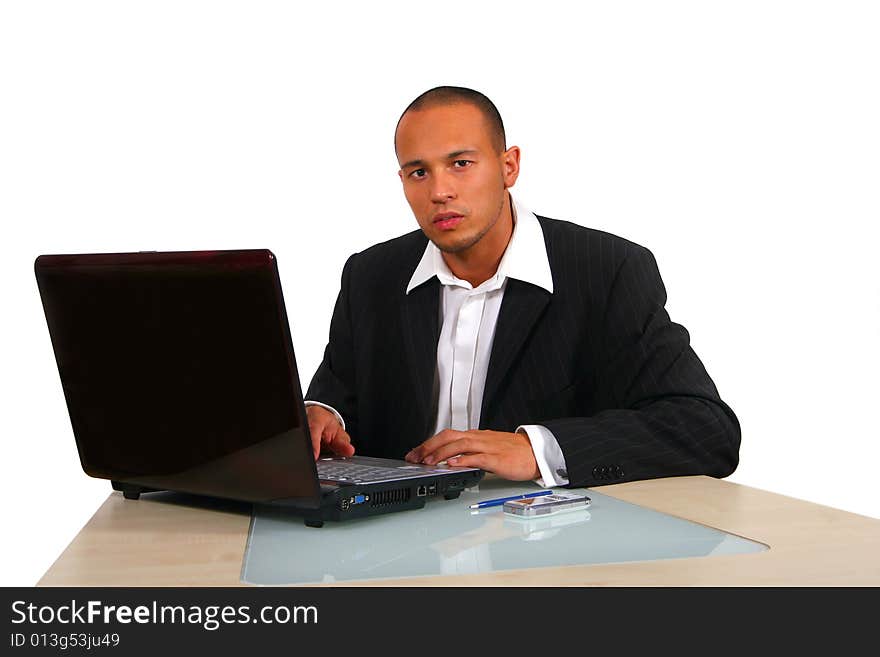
pixel 447 220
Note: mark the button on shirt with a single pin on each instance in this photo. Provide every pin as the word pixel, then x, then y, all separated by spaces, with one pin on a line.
pixel 468 317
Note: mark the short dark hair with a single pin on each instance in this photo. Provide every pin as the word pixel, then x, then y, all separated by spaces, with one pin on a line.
pixel 446 95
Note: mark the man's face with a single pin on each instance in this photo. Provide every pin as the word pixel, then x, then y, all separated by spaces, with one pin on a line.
pixel 453 177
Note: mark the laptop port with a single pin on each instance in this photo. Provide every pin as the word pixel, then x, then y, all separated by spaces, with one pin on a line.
pixel 344 504
pixel 421 491
pixel 432 489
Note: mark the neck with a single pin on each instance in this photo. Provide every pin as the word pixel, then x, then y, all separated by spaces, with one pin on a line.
pixel 478 263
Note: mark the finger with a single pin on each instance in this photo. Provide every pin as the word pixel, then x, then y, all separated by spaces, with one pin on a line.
pixel 341 444
pixel 485 462
pixel 316 430
pixel 418 453
pixel 468 444
pixel 335 439
pixel 329 433
pixel 327 436
pixel 322 430
pixel 514 465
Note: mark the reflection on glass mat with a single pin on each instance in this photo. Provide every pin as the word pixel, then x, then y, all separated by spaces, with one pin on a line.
pixel 446 538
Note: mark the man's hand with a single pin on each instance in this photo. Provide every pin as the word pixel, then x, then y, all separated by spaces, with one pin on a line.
pixel 509 455
pixel 327 433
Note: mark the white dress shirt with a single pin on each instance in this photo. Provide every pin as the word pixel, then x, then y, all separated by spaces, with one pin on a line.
pixel 468 318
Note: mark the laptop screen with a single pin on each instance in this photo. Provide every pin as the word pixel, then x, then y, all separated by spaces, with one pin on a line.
pixel 178 371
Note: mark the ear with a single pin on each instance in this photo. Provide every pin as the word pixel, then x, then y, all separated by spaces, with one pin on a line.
pixel 510 166
pixel 400 175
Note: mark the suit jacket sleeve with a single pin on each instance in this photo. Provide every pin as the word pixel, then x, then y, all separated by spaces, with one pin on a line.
pixel 334 383
pixel 662 415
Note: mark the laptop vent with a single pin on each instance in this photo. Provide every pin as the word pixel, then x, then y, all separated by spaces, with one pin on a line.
pixel 388 497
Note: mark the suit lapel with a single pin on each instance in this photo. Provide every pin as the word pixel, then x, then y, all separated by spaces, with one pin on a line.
pixel 421 330
pixel 521 308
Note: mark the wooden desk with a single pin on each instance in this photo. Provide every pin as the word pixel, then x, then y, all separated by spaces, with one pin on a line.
pixel 168 540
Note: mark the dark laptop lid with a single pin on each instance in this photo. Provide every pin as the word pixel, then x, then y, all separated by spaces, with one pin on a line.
pixel 179 373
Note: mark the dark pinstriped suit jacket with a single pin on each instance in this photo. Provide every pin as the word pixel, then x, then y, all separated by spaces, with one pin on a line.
pixel 598 362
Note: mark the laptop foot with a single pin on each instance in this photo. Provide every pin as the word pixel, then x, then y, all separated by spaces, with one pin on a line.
pixel 451 496
pixel 314 523
pixel 131 491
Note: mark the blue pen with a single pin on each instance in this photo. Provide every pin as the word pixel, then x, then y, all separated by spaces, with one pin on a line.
pixel 502 500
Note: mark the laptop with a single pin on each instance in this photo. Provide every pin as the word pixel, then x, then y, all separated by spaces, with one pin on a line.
pixel 179 374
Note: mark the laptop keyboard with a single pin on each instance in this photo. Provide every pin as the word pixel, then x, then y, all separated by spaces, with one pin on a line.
pixel 356 473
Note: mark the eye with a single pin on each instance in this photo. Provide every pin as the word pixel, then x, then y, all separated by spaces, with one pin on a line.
pixel 418 173
pixel 461 164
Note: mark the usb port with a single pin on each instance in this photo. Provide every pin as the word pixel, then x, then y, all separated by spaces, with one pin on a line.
pixel 432 489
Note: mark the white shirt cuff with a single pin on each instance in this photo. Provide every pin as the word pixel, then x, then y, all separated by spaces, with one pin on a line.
pixel 329 408
pixel 548 454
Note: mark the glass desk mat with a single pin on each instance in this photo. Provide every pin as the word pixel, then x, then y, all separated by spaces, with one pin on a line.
pixel 447 538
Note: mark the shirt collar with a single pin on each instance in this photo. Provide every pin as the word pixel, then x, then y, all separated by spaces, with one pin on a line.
pixel 524 259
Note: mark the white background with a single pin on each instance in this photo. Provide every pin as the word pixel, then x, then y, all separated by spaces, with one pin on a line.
pixel 738 141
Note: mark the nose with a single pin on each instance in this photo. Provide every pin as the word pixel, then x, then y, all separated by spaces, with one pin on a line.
pixel 442 188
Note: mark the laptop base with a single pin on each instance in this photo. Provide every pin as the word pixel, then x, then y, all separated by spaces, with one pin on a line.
pixel 350 502
pixel 343 503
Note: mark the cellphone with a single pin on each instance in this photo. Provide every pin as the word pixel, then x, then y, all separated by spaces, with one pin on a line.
pixel 532 507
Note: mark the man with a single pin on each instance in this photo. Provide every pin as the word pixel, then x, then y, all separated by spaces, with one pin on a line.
pixel 491 337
